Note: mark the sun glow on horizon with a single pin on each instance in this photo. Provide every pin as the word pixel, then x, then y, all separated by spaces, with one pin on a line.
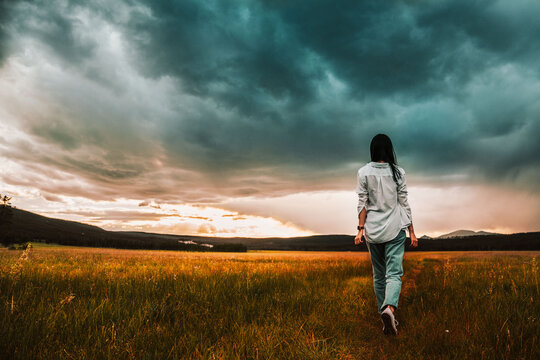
pixel 436 211
pixel 136 215
pixel 184 219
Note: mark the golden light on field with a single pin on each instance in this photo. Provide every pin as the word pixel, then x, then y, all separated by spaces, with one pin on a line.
pixel 292 304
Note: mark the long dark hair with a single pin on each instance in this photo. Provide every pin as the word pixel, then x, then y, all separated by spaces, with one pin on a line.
pixel 381 149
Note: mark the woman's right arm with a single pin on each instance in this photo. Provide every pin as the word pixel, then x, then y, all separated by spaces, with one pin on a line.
pixel 362 192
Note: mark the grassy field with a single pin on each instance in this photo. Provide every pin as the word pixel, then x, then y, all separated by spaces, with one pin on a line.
pixel 83 303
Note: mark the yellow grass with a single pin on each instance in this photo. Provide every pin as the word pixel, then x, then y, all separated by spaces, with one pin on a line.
pixel 68 302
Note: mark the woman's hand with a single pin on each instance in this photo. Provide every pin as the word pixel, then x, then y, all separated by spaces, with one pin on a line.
pixel 358 238
pixel 414 240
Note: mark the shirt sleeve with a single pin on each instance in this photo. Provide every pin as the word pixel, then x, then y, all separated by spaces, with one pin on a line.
pixel 403 196
pixel 361 191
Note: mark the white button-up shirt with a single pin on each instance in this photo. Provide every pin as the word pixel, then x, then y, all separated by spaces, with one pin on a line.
pixel 387 207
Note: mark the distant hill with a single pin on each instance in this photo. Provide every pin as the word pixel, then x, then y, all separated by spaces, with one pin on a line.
pixel 18 226
pixel 461 233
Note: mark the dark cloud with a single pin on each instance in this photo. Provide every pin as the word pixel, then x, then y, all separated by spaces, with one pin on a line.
pixel 272 97
pixel 505 29
pixel 5 6
pixel 424 59
pixel 223 50
pixel 54 26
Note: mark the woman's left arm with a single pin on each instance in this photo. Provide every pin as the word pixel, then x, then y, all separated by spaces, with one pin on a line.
pixel 403 196
pixel 412 235
pixel 404 202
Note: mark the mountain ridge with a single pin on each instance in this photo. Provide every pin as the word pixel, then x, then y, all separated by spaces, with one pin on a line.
pixel 461 233
pixel 20 226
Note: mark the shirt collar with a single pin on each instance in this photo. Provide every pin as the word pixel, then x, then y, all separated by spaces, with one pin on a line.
pixel 379 165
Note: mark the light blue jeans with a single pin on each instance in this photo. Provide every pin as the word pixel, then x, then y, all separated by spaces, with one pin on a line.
pixel 387 263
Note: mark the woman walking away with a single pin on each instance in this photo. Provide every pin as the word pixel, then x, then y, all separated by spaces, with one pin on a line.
pixel 383 215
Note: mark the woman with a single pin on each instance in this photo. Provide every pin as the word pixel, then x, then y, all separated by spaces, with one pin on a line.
pixel 383 215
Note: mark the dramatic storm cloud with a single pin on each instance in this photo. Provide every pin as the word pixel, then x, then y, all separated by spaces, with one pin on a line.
pixel 247 105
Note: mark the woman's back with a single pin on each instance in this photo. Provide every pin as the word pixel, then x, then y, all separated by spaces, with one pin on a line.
pixel 385 201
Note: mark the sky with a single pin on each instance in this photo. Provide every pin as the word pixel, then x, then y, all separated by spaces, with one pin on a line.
pixel 251 118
